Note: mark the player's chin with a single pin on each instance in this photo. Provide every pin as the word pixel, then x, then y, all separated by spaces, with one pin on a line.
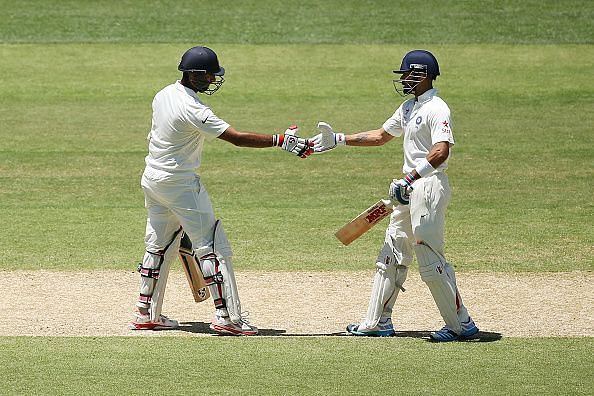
pixel 202 88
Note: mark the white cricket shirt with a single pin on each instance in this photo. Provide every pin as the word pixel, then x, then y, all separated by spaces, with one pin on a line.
pixel 424 123
pixel 181 123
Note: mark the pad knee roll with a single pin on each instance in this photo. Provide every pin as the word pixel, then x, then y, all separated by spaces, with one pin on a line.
pixel 436 273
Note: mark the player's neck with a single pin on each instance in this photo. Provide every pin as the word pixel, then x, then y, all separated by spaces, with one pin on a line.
pixel 421 90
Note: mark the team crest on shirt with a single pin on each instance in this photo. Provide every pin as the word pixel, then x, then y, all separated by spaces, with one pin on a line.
pixel 418 120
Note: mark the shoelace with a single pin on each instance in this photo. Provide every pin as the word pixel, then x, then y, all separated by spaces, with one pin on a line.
pixel 243 317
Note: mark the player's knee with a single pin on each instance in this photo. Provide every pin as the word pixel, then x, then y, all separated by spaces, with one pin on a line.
pixel 423 233
pixel 431 266
pixel 394 252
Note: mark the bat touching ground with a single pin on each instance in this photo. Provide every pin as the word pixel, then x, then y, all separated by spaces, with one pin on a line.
pixel 362 223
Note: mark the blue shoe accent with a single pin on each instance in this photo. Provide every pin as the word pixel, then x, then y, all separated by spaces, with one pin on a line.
pixel 381 330
pixel 443 335
pixel 469 329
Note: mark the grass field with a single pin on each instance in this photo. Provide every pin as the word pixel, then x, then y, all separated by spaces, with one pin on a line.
pixel 288 366
pixel 76 83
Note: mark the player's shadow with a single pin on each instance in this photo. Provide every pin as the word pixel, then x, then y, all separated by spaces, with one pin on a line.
pixel 203 328
pixel 481 336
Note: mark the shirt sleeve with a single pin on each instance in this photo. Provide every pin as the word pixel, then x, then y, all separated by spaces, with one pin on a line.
pixel 393 125
pixel 207 122
pixel 441 126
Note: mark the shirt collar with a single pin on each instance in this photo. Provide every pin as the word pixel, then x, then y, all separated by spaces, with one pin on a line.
pixel 183 88
pixel 427 95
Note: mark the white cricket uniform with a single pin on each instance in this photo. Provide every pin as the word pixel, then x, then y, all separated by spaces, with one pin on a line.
pixel 173 192
pixel 424 122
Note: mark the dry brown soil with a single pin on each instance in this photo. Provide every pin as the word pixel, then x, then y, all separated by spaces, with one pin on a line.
pixel 43 303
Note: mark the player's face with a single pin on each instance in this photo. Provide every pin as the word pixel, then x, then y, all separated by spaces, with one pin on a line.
pixel 411 81
pixel 202 82
pixel 408 84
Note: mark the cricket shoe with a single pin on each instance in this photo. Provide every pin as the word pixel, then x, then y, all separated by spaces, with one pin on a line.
pixel 384 328
pixel 446 334
pixel 144 322
pixel 224 325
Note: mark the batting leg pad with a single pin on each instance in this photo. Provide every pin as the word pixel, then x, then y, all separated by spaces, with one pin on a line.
pixel 437 275
pixel 220 279
pixel 154 271
pixel 387 283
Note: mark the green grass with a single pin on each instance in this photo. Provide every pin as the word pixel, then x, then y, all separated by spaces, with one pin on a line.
pixel 305 21
pixel 73 143
pixel 282 366
pixel 74 116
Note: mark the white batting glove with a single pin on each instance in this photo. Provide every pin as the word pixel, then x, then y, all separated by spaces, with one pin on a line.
pixel 400 190
pixel 327 139
pixel 289 141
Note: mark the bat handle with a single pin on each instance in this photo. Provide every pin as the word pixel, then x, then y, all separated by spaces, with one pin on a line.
pixel 388 202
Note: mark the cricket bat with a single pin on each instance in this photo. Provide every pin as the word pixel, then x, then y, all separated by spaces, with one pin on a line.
pixel 363 223
pixel 193 273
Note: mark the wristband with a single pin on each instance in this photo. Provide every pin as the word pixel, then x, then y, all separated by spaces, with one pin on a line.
pixel 409 179
pixel 277 140
pixel 340 138
pixel 424 168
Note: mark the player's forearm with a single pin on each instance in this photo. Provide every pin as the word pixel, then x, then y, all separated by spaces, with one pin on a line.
pixel 255 140
pixel 438 154
pixel 370 138
pixel 247 139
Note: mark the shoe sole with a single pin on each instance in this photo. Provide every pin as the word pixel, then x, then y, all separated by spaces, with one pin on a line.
pixel 149 326
pixel 232 331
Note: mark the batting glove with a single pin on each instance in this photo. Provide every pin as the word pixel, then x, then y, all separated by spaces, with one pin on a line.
pixel 400 189
pixel 289 141
pixel 327 139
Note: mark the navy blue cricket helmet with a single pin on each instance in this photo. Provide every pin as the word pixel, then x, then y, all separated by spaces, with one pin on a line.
pixel 200 59
pixel 419 59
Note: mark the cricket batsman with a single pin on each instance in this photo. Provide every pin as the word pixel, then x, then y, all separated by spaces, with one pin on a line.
pixel 177 201
pixel 420 196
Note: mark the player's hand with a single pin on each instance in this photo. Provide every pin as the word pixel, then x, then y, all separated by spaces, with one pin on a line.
pixel 400 190
pixel 327 139
pixel 289 141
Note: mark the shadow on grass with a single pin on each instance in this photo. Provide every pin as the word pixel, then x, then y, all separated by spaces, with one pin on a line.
pixel 481 336
pixel 203 328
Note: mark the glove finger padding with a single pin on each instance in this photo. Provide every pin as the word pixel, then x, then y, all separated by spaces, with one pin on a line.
pixel 400 191
pixel 324 127
pixel 326 140
pixel 295 144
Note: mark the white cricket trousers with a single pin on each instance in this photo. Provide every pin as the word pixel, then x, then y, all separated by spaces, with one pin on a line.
pixel 423 219
pixel 174 200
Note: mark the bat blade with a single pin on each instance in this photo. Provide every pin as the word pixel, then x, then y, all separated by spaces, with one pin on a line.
pixel 364 222
pixel 192 270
